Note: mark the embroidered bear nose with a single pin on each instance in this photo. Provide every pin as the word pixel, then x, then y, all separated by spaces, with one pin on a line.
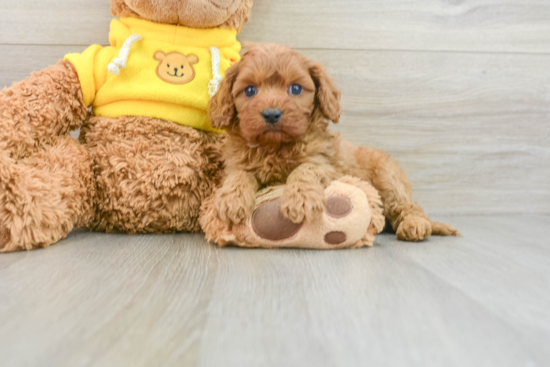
pixel 176 71
pixel 272 115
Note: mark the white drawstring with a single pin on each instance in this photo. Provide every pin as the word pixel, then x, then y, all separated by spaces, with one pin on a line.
pixel 214 84
pixel 122 59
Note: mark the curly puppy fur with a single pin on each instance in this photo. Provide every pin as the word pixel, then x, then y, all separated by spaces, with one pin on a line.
pixel 298 149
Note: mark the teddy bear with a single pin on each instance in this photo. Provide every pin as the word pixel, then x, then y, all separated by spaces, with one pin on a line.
pixel 146 156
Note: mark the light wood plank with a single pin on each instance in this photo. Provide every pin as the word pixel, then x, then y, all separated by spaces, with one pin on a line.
pixel 173 300
pixel 483 25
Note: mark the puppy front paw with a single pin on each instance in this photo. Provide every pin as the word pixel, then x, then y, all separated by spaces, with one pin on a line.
pixel 414 228
pixel 234 208
pixel 303 204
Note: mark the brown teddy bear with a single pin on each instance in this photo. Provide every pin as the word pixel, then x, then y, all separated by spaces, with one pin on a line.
pixel 148 155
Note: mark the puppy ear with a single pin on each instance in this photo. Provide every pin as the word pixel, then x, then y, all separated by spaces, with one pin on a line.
pixel 328 96
pixel 221 109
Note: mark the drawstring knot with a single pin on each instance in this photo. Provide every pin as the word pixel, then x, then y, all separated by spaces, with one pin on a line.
pixel 122 59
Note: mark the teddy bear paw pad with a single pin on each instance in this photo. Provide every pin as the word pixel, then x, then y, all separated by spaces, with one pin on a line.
pixel 335 238
pixel 339 206
pixel 269 223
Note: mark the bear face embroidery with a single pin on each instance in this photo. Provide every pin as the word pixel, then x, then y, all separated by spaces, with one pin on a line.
pixel 176 68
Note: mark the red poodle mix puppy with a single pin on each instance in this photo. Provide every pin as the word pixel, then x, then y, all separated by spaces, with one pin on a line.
pixel 275 106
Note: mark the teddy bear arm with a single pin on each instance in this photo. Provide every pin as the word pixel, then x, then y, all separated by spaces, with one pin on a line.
pixel 33 112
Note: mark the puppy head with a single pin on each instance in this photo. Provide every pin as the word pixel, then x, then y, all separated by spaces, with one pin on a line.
pixel 274 96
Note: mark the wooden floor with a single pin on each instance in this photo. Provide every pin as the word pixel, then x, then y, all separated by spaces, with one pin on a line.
pixel 119 300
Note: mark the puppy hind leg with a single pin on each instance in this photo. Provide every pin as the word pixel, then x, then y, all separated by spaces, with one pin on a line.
pixel 406 216
pixel 443 229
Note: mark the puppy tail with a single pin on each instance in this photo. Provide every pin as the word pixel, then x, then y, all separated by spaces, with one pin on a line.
pixel 442 229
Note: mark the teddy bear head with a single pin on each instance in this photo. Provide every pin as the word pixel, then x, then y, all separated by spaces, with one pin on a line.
pixel 189 13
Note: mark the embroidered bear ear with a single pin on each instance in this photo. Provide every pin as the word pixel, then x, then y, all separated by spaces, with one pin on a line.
pixel 159 56
pixel 193 59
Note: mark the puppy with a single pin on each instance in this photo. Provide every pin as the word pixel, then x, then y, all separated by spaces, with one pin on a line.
pixel 275 106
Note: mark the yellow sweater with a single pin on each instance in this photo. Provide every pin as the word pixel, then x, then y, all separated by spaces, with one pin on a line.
pixel 167 74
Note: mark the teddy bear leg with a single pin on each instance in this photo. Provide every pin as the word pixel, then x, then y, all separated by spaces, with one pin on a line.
pixel 33 112
pixel 43 197
pixel 352 218
pixel 152 175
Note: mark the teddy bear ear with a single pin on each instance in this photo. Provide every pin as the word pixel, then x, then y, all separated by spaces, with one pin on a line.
pixel 193 59
pixel 159 56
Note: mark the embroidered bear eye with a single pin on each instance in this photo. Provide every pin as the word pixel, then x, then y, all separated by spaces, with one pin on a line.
pixel 295 89
pixel 182 66
pixel 250 91
pixel 168 65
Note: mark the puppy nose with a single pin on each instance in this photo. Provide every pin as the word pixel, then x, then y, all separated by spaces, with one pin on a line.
pixel 272 115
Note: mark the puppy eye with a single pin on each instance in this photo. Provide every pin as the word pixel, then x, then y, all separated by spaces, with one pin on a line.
pixel 250 91
pixel 295 89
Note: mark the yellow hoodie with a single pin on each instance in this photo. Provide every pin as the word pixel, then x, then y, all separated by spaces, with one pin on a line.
pixel 167 73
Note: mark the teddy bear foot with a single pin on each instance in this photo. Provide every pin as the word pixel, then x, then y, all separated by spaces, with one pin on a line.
pixel 352 218
pixel 268 223
pixel 5 237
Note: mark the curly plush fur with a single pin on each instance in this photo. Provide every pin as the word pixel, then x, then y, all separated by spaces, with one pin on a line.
pixel 151 175
pixel 129 174
pixel 299 150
